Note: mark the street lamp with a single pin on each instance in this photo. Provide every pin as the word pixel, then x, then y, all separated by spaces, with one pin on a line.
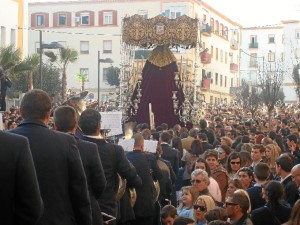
pixel 99 60
pixel 52 45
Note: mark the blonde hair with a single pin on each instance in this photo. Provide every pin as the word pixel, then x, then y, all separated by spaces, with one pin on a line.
pixel 273 156
pixel 194 193
pixel 208 200
pixel 242 191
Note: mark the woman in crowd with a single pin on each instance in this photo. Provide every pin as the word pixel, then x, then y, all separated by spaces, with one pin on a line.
pixel 271 156
pixel 217 171
pixel 203 204
pixel 189 196
pixel 213 187
pixel 233 185
pixel 226 141
pixel 233 165
pixel 274 212
pixel 245 175
pixel 223 152
pixel 217 213
pixel 245 159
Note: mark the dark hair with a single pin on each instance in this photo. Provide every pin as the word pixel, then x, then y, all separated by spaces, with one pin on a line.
pixel 64 118
pixel 210 153
pixel 245 139
pixel 180 220
pixel 217 213
pixel 218 222
pixel 165 137
pixel 226 148
pixel 155 135
pixel 246 170
pixel 201 160
pixel 233 155
pixel 35 104
pixel 89 121
pixel 262 171
pixel 272 135
pixel 164 126
pixel 292 137
pixel 203 123
pixel 285 162
pixel 241 199
pixel 260 147
pixel 168 210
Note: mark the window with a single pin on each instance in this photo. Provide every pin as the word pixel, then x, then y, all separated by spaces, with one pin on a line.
pixel 222 29
pixel 271 38
pixel 212 51
pixel 108 18
pixel 40 20
pixel 105 74
pixel 231 82
pixel 217 53
pixel 211 99
pixel 226 57
pixel 13 37
pixel 221 80
pixel 217 27
pixel 271 56
pixel 84 47
pixel 225 32
pixel 216 78
pixel 62 19
pixel 172 14
pixel 221 55
pixel 225 81
pixel 107 46
pixel 85 19
pixel 212 24
pixel 85 72
pixel 143 13
pixel 297 34
pixel 253 60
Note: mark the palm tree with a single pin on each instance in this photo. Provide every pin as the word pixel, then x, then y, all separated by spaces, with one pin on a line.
pixel 82 78
pixel 10 58
pixel 32 62
pixel 66 56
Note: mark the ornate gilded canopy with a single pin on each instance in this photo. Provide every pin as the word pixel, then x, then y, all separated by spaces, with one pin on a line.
pixel 160 30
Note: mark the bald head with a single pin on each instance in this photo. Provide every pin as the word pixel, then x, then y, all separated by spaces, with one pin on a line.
pixel 296 174
pixel 138 142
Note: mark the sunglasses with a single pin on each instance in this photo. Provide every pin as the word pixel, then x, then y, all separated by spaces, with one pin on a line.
pixel 229 203
pixel 236 163
pixel 196 181
pixel 201 208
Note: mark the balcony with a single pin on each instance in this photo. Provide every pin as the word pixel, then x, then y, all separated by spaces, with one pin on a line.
pixel 205 30
pixel 234 44
pixel 234 68
pixel 253 45
pixel 205 84
pixel 205 57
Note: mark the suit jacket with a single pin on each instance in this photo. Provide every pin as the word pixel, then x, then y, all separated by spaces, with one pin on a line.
pixel 256 199
pixel 291 190
pixel 20 197
pixel 263 216
pixel 206 146
pixel 114 162
pixel 94 175
pixel 210 136
pixel 146 166
pixel 60 174
pixel 172 155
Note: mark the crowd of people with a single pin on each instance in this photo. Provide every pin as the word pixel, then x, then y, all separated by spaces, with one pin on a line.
pixel 231 168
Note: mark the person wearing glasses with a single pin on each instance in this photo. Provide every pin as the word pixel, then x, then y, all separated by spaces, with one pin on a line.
pixel 200 180
pixel 233 165
pixel 236 206
pixel 203 204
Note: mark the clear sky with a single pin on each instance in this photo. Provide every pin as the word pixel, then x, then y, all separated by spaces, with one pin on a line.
pixel 258 12
pixel 252 12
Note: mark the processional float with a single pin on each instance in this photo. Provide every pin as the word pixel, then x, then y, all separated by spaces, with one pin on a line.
pixel 165 90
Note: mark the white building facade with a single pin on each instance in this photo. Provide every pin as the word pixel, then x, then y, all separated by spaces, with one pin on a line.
pixel 92 26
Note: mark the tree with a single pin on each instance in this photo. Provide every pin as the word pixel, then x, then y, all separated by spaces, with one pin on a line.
pixel 51 82
pixel 270 79
pixel 66 56
pixel 32 62
pixel 82 78
pixel 113 76
pixel 296 78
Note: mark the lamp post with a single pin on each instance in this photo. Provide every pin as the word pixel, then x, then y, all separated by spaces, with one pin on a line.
pixel 52 45
pixel 99 60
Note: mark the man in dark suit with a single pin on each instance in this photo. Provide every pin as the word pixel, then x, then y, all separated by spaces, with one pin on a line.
pixel 113 160
pixel 57 162
pixel 205 145
pixel 65 120
pixel 20 197
pixel 146 166
pixel 261 175
pixel 284 165
pixel 203 129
